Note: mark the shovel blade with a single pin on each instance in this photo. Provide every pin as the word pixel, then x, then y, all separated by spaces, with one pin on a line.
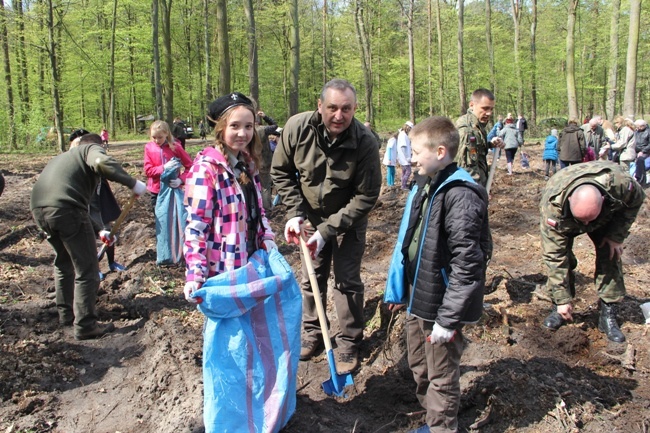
pixel 336 384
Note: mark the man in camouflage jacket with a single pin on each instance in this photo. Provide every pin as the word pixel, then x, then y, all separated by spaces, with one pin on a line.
pixel 472 153
pixel 601 199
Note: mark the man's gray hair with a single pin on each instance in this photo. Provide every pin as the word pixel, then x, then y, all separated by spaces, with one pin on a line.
pixel 338 84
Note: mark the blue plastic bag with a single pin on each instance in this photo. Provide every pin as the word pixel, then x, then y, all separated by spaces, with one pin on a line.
pixel 251 346
pixel 171 218
pixel 396 284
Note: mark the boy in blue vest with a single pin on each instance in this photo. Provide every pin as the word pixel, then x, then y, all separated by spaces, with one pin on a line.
pixel 446 248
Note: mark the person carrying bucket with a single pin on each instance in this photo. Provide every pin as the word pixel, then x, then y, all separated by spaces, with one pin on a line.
pixel 444 257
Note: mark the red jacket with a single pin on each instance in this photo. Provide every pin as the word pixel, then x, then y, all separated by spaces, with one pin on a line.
pixel 156 156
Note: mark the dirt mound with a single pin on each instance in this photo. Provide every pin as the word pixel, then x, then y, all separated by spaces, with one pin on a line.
pixel 146 376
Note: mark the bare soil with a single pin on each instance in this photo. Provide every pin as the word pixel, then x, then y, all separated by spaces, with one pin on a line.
pixel 146 376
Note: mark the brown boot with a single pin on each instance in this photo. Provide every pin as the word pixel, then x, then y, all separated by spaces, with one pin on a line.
pixel 347 362
pixel 310 348
pixel 96 332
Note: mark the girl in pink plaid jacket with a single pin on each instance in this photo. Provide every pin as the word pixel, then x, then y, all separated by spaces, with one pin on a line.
pixel 226 220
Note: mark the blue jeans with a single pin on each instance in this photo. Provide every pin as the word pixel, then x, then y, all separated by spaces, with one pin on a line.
pixel 390 175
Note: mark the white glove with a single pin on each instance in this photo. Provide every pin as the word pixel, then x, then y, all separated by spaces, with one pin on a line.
pixel 315 244
pixel 139 188
pixel 190 288
pixel 170 164
pixel 440 335
pixel 292 230
pixel 175 183
pixel 269 245
pixel 105 237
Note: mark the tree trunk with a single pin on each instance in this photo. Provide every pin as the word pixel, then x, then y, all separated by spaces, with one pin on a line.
pixel 409 18
pixel 430 56
pixel 133 124
pixel 111 71
pixel 294 62
pixel 206 50
pixel 490 48
pixel 441 67
pixel 189 54
pixel 533 60
pixel 253 83
pixel 82 103
pixel 610 109
pixel 7 67
pixel 169 69
pixel 224 47
pixel 591 51
pixel 41 59
pixel 24 88
pixel 157 80
pixel 516 18
pixel 461 65
pixel 366 58
pixel 570 62
pixel 56 103
pixel 101 48
pixel 324 41
pixel 632 50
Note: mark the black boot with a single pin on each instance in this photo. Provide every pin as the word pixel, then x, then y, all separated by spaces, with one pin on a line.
pixel 554 321
pixel 607 322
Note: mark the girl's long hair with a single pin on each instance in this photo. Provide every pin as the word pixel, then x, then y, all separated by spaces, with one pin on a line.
pixel 253 148
pixel 162 126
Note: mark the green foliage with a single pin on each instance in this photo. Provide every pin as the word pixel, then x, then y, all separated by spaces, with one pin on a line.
pixel 83 31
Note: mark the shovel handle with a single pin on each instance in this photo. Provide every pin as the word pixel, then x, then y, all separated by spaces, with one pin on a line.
pixel 316 291
pixel 493 168
pixel 118 223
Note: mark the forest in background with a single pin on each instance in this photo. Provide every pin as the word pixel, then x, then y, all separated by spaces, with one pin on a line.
pixel 94 63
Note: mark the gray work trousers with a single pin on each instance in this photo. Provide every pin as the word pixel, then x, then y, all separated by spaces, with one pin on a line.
pixel 436 370
pixel 76 270
pixel 346 252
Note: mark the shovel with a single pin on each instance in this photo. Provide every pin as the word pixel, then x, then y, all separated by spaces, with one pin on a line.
pixel 117 224
pixel 337 382
pixel 493 168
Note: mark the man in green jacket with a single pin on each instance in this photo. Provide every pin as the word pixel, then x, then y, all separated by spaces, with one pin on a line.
pixel 472 153
pixel 601 199
pixel 59 203
pixel 326 169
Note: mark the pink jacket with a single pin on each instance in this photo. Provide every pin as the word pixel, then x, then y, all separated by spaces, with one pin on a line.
pixel 104 135
pixel 156 156
pixel 215 235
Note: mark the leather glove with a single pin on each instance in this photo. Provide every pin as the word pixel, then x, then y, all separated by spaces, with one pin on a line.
pixel 315 244
pixel 292 230
pixel 170 164
pixel 175 183
pixel 189 289
pixel 105 237
pixel 269 245
pixel 440 335
pixel 139 188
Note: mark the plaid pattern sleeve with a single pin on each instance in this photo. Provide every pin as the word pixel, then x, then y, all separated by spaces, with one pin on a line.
pixel 199 202
pixel 215 235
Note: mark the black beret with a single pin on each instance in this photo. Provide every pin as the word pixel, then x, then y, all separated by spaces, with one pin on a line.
pixel 223 103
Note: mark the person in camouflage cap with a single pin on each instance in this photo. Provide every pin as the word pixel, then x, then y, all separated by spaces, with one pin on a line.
pixel 601 199
pixel 472 153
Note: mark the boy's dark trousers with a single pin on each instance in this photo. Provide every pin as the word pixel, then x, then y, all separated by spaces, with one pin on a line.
pixel 436 370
